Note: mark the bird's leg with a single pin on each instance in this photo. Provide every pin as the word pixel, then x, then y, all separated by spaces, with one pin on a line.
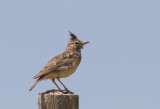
pixel 63 85
pixel 53 80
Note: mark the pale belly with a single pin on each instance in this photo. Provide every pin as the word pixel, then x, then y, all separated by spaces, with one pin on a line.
pixel 68 72
pixel 62 74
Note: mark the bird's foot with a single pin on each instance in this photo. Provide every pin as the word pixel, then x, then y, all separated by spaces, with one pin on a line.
pixel 57 91
pixel 66 91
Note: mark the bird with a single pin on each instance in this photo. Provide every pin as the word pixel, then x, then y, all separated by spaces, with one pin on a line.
pixel 62 65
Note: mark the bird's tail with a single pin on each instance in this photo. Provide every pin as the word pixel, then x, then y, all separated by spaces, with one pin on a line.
pixel 40 79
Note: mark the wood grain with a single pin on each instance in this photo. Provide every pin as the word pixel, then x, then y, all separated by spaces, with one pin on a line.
pixel 58 100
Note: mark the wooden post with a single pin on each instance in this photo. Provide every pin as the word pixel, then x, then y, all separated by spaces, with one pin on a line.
pixel 58 100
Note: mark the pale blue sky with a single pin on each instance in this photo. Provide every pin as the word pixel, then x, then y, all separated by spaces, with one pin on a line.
pixel 120 68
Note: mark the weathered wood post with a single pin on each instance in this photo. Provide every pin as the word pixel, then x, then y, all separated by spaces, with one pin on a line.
pixel 58 100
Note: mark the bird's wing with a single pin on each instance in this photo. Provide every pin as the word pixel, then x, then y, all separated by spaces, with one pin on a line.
pixel 59 63
pixel 49 67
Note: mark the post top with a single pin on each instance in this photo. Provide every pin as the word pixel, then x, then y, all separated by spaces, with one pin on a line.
pixel 57 92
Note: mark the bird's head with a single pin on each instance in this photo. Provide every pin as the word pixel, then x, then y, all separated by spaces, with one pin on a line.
pixel 75 43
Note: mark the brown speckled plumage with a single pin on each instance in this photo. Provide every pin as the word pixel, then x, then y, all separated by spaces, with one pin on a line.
pixel 63 65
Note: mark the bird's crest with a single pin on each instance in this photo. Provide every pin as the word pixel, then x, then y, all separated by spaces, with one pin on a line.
pixel 73 36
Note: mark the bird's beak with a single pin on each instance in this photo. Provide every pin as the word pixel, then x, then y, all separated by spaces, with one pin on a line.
pixel 85 42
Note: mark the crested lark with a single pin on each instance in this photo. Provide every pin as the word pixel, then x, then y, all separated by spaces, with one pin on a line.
pixel 62 65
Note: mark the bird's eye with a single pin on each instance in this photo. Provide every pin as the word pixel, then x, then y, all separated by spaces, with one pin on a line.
pixel 76 43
